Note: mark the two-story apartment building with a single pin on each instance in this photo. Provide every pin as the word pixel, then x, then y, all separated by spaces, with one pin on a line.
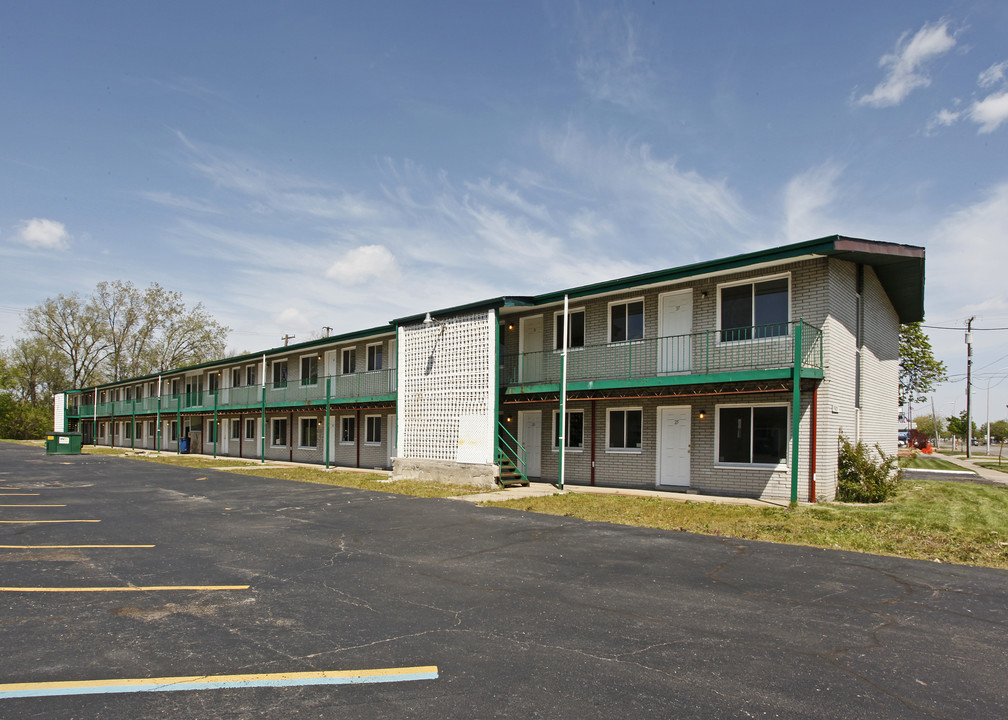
pixel 734 376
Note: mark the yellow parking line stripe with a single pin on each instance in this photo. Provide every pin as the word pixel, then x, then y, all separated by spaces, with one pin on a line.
pixel 35 522
pixel 24 505
pixel 215 682
pixel 17 494
pixel 67 547
pixel 147 588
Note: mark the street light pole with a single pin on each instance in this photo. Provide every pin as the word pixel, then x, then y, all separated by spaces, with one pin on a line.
pixel 969 372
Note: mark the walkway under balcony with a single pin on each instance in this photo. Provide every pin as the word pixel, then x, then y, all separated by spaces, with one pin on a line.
pixel 767 352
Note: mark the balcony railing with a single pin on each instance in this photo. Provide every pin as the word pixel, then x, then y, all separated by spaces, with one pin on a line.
pixel 337 388
pixel 761 347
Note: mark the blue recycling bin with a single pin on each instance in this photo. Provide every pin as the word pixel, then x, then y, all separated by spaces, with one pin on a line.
pixel 184 445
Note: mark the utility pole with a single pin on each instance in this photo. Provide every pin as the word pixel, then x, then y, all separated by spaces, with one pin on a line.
pixel 287 338
pixel 969 376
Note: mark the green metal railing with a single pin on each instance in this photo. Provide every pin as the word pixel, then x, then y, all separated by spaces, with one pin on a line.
pixel 510 448
pixel 374 384
pixel 712 351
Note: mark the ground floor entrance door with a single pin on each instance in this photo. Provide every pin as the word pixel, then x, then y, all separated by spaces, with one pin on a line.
pixel 674 446
pixel 530 437
pixel 392 442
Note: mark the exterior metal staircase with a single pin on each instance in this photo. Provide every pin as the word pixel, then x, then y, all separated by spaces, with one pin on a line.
pixel 511 459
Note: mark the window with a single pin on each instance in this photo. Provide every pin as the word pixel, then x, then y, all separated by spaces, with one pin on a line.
pixel 348 429
pixel 309 370
pixel 755 435
pixel 211 432
pixel 129 394
pixel 279 432
pixel 236 377
pixel 626 321
pixel 115 429
pixel 175 386
pixel 250 424
pixel 625 429
pixel 374 357
pixel 573 430
pixel 279 374
pixel 349 360
pixel 236 429
pixel 174 431
pixel 101 397
pixel 252 375
pixel 309 433
pixel 151 390
pixel 151 428
pixel 101 430
pixel 754 310
pixel 139 392
pixel 139 431
pixel 213 380
pixel 575 329
pixel 372 429
pixel 129 430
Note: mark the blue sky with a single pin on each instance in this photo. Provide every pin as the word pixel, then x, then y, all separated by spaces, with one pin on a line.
pixel 307 164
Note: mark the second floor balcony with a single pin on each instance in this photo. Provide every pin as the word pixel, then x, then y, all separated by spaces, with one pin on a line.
pixel 749 353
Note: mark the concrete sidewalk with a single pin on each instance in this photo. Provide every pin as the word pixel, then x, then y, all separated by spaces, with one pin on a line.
pixel 542 489
pixel 995 476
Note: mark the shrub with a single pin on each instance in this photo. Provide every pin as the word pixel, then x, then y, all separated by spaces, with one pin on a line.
pixel 862 477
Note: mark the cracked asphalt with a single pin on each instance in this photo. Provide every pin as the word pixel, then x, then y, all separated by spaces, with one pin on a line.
pixel 524 615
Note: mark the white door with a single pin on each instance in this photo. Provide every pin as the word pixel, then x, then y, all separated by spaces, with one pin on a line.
pixel 392 443
pixel 676 323
pixel 530 437
pixel 674 446
pixel 530 345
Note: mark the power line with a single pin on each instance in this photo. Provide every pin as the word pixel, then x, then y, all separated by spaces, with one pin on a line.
pixel 960 329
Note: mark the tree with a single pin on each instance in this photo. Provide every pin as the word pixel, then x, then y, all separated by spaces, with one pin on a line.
pixel 122 331
pixel 36 371
pixel 919 371
pixel 73 327
pixel 957 426
pixel 926 425
pixel 998 430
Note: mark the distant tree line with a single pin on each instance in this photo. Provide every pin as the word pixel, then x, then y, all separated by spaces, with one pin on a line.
pixel 117 332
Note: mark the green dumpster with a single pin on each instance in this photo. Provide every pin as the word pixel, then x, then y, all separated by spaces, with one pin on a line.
pixel 63 443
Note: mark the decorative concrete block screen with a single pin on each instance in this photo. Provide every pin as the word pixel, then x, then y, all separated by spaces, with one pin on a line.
pixel 446 387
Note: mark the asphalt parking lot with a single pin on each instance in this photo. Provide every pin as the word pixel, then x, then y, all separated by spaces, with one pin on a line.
pixel 122 571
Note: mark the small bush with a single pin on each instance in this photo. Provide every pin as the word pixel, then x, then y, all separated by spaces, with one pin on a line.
pixel 862 477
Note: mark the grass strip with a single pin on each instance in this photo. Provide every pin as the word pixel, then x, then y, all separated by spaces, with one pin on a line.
pixel 926 520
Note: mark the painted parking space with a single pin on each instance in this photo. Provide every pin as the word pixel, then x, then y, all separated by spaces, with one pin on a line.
pixel 220 682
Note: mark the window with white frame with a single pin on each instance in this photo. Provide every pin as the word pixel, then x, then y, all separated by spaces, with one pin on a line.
pixel 116 431
pixel 213 381
pixel 751 310
pixel 374 357
pixel 252 375
pixel 309 370
pixel 626 321
pixel 235 429
pixel 348 429
pixel 175 386
pixel 279 434
pixel 624 429
pixel 575 329
pixel 151 428
pixel 250 429
pixel 348 364
pixel 139 431
pixel 129 430
pixel 174 431
pixel 372 429
pixel 751 434
pixel 236 377
pixel 101 430
pixel 573 430
pixel 279 374
pixel 309 432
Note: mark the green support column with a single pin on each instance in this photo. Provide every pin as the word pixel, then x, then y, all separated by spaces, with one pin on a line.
pixel 795 410
pixel 262 440
pixel 157 425
pixel 328 388
pixel 178 424
pixel 216 430
pixel 133 428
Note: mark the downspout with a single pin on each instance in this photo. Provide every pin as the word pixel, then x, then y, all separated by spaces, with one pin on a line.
pixel 94 429
pixel 795 409
pixel 157 418
pixel 328 395
pixel 290 435
pixel 262 435
pixel 133 426
pixel 241 435
pixel 593 441
pixel 357 434
pixel 812 443
pixel 178 425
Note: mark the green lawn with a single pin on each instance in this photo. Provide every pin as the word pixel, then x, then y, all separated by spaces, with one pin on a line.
pixel 927 462
pixel 1003 467
pixel 944 521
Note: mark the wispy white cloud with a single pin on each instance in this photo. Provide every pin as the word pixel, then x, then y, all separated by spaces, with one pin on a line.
pixel 990 112
pixel 364 264
pixel 993 75
pixel 807 197
pixel 611 65
pixel 42 234
pixel 905 66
